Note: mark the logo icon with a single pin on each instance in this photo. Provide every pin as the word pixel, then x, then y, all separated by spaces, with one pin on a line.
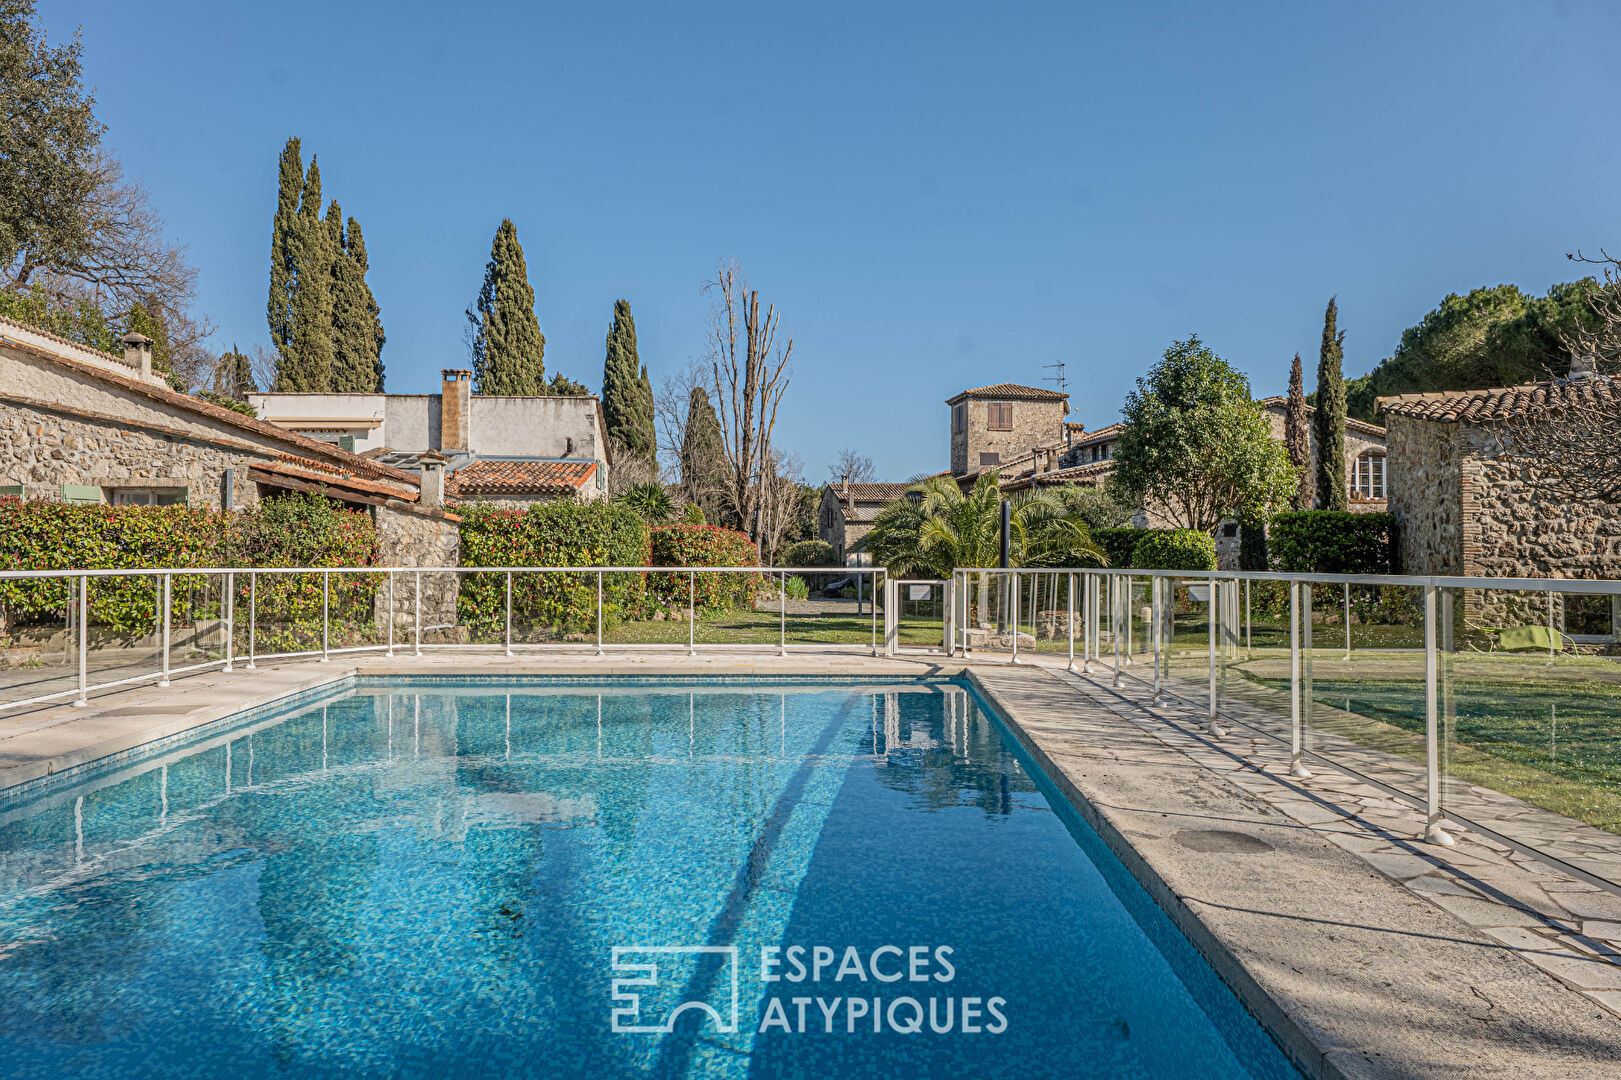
pixel 659 974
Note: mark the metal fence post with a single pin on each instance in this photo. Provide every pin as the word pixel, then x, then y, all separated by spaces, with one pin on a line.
pixel 1347 620
pixel 416 617
pixel 1089 588
pixel 326 606
pixel 1296 766
pixel 230 622
pixel 1211 726
pixel 1069 618
pixel 1552 637
pixel 782 613
pixel 509 614
pixel 1432 758
pixel 1156 605
pixel 599 616
pixel 1013 601
pixel 164 681
pixel 1249 624
pixel 84 639
pixel 391 613
pixel 874 591
pixel 1125 617
pixel 253 622
pixel 692 613
pixel 1114 626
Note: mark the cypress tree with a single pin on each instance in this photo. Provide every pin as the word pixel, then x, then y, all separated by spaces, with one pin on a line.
pixel 1330 416
pixel 703 454
pixel 309 365
pixel 235 379
pixel 373 338
pixel 627 396
pixel 508 348
pixel 1297 435
pixel 283 229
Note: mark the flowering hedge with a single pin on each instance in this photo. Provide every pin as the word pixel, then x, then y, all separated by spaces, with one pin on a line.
pixel 563 533
pixel 702 545
pixel 296 530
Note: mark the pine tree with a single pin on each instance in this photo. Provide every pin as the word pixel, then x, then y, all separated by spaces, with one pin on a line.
pixel 235 378
pixel 283 230
pixel 508 348
pixel 627 396
pixel 1329 421
pixel 373 338
pixel 1297 435
pixel 307 363
pixel 703 455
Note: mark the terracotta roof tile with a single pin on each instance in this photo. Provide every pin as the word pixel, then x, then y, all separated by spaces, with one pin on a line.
pixel 1501 403
pixel 872 493
pixel 1009 392
pixel 1100 435
pixel 490 477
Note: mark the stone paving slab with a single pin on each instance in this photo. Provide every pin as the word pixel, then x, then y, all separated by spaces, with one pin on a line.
pixel 1358 973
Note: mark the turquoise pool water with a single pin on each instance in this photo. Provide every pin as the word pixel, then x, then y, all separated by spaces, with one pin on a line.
pixel 442 879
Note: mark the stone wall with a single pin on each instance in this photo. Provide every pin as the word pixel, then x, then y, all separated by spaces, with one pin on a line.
pixel 1424 479
pixel 41 450
pixel 424 538
pixel 1035 423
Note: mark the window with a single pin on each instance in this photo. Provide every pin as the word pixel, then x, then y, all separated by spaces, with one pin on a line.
pixel 989 458
pixel 146 496
pixel 1368 477
pixel 1229 529
pixel 959 418
pixel 999 416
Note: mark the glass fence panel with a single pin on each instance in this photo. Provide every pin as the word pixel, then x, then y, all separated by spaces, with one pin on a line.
pixel 38 643
pixel 358 612
pixel 732 610
pixel 1530 725
pixel 287 613
pixel 197 619
pixel 921 618
pixel 831 607
pixel 990 614
pixel 124 641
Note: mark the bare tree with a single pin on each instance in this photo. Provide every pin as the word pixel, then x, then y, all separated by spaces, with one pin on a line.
pixel 854 466
pixel 670 406
pixel 1570 428
pixel 748 369
pixel 779 504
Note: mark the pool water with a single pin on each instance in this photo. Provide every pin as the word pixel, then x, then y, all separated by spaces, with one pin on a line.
pixel 539 879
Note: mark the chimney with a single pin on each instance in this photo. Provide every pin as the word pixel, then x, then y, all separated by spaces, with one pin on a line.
pixel 455 410
pixel 138 353
pixel 433 480
pixel 849 501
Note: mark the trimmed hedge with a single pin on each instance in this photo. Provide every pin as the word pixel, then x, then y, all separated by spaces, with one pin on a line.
pixel 702 545
pixel 1174 549
pixel 1333 542
pixel 1118 543
pixel 808 553
pixel 295 530
pixel 563 533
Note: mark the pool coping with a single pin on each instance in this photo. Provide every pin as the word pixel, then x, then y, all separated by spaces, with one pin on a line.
pixel 1348 998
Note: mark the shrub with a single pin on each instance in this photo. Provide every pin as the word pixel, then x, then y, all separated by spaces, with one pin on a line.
pixel 702 545
pixel 1332 542
pixel 808 553
pixel 693 514
pixel 1174 549
pixel 563 533
pixel 797 589
pixel 1118 543
pixel 650 500
pixel 304 529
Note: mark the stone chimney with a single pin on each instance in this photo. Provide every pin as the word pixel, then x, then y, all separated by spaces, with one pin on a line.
pixel 433 480
pixel 138 353
pixel 849 500
pixel 456 410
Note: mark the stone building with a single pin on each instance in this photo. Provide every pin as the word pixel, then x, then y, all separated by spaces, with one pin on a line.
pixel 846 514
pixel 993 426
pixel 510 448
pixel 1365 472
pixel 1467 504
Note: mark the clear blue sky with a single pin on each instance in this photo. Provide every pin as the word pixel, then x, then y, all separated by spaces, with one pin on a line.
pixel 936 195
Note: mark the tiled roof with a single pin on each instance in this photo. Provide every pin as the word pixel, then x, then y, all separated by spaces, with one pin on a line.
pixel 1075 474
pixel 871 493
pixel 490 477
pixel 1500 403
pixel 1010 392
pixel 1100 435
pixel 1279 402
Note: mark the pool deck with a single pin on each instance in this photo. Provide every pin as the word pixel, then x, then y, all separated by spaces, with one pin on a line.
pixel 1367 953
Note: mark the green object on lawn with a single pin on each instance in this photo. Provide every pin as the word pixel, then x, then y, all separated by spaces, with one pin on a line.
pixel 1527 637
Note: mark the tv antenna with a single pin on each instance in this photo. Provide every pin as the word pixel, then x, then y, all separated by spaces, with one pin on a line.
pixel 1062 383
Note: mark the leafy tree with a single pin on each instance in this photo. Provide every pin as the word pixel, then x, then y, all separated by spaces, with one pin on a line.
pixel 1493 336
pixel 284 248
pixel 627 396
pixel 1297 435
pixel 508 348
pixel 938 529
pixel 703 459
pixel 1195 448
pixel 77 318
pixel 1097 506
pixel 1329 419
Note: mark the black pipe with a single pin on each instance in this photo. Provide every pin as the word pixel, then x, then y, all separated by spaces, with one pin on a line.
pixel 1007 531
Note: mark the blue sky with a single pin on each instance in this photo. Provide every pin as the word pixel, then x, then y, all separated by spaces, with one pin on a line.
pixel 935 195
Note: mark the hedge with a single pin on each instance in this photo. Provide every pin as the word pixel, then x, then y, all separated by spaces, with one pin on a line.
pixel 1118 544
pixel 563 533
pixel 1174 549
pixel 702 545
pixel 295 530
pixel 1332 542
pixel 808 553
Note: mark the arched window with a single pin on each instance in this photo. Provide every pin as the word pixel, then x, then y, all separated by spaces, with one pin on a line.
pixel 1368 477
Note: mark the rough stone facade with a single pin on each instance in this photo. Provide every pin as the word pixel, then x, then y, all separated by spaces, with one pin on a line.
pixel 1037 421
pixel 425 538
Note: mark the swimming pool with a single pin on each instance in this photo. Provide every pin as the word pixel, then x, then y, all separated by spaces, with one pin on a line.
pixel 445 877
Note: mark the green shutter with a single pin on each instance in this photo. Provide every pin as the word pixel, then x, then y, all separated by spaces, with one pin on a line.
pixel 81 493
pixel 11 489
